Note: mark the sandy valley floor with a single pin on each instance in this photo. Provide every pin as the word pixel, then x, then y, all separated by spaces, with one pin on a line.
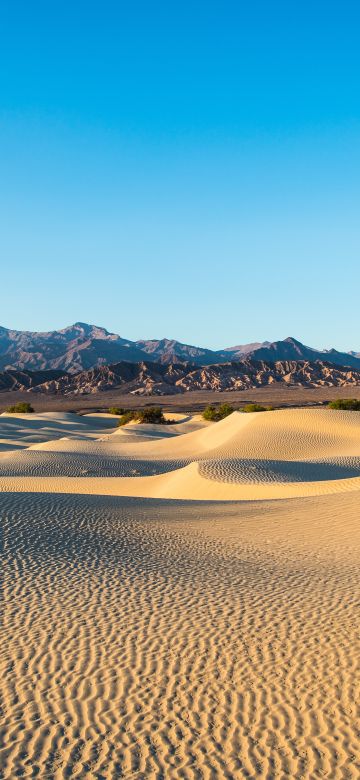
pixel 181 601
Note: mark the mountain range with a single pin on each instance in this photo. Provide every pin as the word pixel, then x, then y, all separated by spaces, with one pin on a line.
pixel 81 347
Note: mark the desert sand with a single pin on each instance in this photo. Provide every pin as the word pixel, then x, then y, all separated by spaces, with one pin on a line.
pixel 181 601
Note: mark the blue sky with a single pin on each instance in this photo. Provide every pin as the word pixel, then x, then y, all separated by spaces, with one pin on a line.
pixel 188 169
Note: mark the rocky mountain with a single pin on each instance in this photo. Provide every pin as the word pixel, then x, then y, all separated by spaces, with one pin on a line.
pixel 81 347
pixel 291 349
pixel 170 351
pixel 148 378
pixel 246 349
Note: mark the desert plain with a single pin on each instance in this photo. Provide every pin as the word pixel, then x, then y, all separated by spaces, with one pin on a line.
pixel 180 601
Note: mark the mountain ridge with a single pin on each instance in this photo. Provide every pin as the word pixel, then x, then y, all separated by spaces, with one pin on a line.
pixel 83 346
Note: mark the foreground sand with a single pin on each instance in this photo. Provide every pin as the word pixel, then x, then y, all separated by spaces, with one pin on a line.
pixel 153 638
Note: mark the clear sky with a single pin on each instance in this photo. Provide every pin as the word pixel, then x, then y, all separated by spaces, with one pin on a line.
pixel 183 169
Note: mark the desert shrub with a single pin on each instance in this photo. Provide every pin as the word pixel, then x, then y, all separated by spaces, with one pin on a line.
pixel 216 413
pixel 127 417
pixel 21 408
pixel 224 410
pixel 210 413
pixel 151 414
pixel 347 404
pixel 116 410
pixel 255 408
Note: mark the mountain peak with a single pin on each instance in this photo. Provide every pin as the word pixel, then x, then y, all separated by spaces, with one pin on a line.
pixel 82 325
pixel 291 340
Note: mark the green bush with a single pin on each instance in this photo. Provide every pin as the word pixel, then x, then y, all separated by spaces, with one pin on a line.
pixel 255 408
pixel 21 408
pixel 152 414
pixel 347 404
pixel 149 415
pixel 224 410
pixel 116 410
pixel 210 413
pixel 216 413
pixel 127 417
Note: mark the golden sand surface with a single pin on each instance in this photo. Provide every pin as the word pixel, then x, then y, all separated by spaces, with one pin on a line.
pixel 181 601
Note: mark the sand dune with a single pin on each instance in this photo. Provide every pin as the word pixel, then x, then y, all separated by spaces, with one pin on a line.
pixel 211 636
pixel 275 455
pixel 26 429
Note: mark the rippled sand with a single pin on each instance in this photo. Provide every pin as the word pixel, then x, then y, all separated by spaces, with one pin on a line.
pixel 157 638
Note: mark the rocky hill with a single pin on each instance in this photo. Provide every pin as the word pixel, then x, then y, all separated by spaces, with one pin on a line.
pixel 28 380
pixel 147 378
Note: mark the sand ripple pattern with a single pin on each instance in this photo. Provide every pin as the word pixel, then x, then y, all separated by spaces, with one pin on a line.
pixel 234 470
pixel 42 463
pixel 167 640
